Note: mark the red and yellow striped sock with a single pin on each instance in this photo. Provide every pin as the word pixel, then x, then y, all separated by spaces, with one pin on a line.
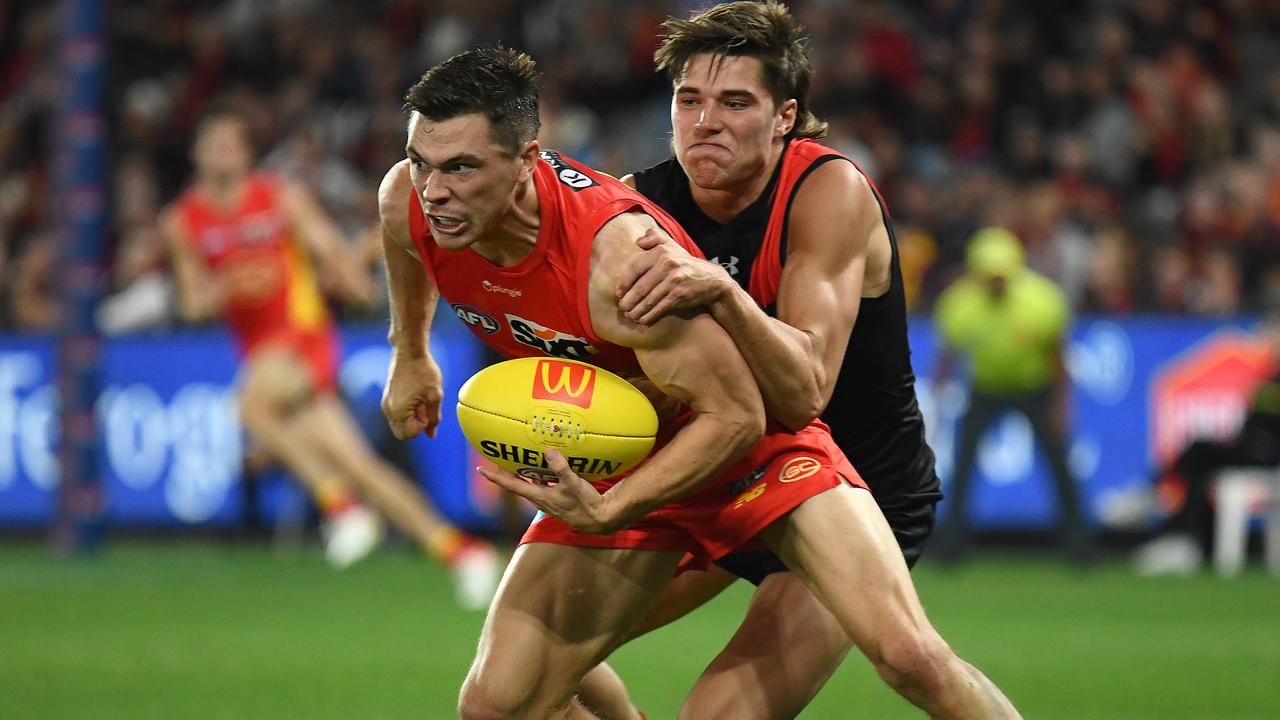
pixel 447 542
pixel 333 498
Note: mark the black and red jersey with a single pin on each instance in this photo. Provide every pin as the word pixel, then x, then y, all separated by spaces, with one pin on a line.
pixel 873 413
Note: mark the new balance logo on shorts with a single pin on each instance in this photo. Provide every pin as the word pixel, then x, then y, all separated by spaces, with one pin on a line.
pixel 750 495
pixel 742 483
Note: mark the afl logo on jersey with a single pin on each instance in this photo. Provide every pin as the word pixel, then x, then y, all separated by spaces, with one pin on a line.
pixel 475 319
pixel 216 240
pixel 575 179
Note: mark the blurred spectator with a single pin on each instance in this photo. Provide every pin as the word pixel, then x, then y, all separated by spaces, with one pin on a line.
pixel 1148 129
pixel 145 299
pixel 1011 323
pixel 141 295
pixel 34 296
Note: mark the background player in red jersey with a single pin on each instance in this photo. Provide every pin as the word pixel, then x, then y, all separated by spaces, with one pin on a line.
pixel 241 243
pixel 476 204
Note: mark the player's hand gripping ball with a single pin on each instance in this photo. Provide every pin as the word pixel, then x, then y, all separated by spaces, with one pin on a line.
pixel 513 410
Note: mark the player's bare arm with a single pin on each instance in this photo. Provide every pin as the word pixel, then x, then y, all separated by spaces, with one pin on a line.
pixel 795 357
pixel 411 398
pixel 690 359
pixel 316 229
pixel 199 293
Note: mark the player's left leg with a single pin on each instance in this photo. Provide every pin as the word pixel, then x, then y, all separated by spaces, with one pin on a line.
pixel 785 650
pixel 602 690
pixel 559 611
pixel 840 545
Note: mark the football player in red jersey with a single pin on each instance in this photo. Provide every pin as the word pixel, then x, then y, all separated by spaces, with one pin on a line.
pixel 477 205
pixel 241 243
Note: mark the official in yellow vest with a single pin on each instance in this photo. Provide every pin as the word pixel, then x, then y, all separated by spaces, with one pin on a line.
pixel 1011 323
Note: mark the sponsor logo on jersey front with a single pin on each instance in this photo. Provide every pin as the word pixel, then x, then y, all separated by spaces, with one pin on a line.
pixel 549 341
pixel 475 319
pixel 564 382
pixel 798 469
pixel 215 240
pixel 261 228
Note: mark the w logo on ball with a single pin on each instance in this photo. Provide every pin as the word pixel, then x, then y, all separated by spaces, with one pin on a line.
pixel 566 382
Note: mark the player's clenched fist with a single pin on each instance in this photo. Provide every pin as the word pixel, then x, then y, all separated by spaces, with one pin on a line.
pixel 411 398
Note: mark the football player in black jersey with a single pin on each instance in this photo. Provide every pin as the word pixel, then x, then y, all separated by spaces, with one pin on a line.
pixel 799 246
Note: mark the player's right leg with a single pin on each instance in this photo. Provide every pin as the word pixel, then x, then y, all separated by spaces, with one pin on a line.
pixel 559 611
pixel 784 620
pixel 840 545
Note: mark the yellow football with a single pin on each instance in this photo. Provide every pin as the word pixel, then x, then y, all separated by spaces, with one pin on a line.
pixel 513 410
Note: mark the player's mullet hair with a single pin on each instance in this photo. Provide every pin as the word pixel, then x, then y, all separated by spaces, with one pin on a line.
pixel 762 30
pixel 499 83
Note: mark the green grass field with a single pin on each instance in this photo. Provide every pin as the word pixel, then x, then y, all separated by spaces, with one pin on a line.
pixel 182 629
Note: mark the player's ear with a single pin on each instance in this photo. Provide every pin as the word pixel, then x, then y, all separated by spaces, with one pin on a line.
pixel 786 118
pixel 529 159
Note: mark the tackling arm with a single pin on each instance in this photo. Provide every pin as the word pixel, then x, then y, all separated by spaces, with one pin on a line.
pixel 795 358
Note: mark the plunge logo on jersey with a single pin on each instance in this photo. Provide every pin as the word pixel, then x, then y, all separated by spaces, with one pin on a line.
pixel 548 341
pixel 476 320
pixel 575 179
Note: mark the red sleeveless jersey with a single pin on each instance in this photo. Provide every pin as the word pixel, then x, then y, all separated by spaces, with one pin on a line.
pixel 539 305
pixel 798 159
pixel 272 296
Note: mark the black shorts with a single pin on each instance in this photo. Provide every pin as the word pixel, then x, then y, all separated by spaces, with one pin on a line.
pixel 910 517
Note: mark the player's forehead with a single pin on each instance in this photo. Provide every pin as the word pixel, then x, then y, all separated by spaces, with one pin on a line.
pixel 437 140
pixel 716 74
pixel 223 127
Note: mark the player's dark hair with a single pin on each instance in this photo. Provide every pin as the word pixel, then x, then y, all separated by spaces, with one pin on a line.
pixel 762 30
pixel 219 110
pixel 500 83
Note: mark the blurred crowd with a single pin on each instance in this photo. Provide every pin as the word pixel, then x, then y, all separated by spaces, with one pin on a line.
pixel 1133 145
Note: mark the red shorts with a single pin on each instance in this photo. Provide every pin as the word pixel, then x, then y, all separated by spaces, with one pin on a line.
pixel 779 474
pixel 317 350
